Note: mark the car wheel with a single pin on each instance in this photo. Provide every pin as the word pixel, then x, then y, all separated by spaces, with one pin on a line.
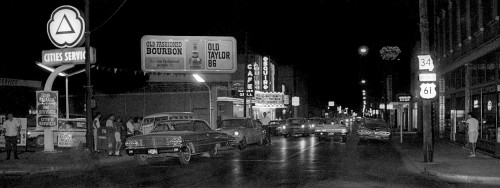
pixel 243 144
pixel 185 156
pixel 40 140
pixel 142 159
pixel 214 150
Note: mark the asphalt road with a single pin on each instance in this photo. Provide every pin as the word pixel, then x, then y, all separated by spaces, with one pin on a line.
pixel 290 162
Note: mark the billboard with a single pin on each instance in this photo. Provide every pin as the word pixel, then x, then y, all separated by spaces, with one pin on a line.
pixel 188 54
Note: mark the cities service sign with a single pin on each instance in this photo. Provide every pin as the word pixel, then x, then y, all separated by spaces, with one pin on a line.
pixel 188 54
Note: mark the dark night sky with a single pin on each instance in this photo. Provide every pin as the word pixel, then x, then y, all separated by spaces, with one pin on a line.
pixel 319 37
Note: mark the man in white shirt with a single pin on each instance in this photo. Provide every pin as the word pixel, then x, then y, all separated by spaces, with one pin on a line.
pixel 12 130
pixel 473 126
pixel 265 123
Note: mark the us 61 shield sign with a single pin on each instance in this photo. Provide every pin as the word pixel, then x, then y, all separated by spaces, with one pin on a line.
pixel 427 90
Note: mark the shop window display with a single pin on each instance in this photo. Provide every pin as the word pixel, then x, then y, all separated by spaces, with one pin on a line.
pixel 488 125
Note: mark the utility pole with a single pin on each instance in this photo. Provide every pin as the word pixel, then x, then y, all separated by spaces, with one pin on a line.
pixel 245 83
pixel 428 149
pixel 88 107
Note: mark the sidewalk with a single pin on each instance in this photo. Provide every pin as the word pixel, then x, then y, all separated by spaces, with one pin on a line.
pixel 64 160
pixel 451 162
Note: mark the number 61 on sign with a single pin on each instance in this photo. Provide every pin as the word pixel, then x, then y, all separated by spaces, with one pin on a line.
pixel 427 90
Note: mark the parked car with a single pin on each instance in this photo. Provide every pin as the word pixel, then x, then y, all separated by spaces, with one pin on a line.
pixel 150 120
pixel 296 127
pixel 176 138
pixel 375 130
pixel 277 127
pixel 243 131
pixel 75 129
pixel 332 128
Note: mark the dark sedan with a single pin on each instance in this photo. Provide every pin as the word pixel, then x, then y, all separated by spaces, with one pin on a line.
pixel 176 138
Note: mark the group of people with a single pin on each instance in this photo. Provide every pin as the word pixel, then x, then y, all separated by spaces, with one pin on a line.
pixel 117 131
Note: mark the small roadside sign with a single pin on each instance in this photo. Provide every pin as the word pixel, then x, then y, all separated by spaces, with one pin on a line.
pixel 295 101
pixel 427 77
pixel 427 90
pixel 425 62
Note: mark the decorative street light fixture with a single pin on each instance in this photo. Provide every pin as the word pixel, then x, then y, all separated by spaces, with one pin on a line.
pixel 66 76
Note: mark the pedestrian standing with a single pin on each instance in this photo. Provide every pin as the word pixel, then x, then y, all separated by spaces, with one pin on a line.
pixel 473 126
pixel 96 125
pixel 110 130
pixel 12 130
pixel 137 126
pixel 130 127
pixel 265 123
pixel 118 140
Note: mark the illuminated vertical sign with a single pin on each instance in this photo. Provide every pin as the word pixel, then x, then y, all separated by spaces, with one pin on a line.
pixel 265 74
pixel 258 74
pixel 250 87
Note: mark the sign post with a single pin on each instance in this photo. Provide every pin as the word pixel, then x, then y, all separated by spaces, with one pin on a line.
pixel 427 80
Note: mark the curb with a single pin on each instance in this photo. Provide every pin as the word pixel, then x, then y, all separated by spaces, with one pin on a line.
pixel 47 169
pixel 413 166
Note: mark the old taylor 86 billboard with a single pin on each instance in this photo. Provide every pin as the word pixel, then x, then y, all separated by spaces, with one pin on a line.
pixel 185 54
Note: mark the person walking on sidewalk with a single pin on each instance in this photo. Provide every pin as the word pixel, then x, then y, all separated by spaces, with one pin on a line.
pixel 130 127
pixel 12 130
pixel 96 124
pixel 265 122
pixel 473 126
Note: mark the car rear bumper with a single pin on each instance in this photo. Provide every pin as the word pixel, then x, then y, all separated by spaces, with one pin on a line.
pixel 331 134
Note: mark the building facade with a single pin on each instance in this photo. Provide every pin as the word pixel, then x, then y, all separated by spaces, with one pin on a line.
pixel 465 46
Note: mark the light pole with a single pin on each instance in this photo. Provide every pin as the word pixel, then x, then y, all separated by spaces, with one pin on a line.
pixel 199 79
pixel 66 76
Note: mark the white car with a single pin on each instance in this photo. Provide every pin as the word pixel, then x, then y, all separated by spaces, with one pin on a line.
pixel 70 131
pixel 332 128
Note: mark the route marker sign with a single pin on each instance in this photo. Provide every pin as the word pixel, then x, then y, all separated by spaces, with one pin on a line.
pixel 428 90
pixel 425 62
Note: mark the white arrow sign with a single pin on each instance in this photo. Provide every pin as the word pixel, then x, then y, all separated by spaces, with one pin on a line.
pixel 427 90
pixel 425 62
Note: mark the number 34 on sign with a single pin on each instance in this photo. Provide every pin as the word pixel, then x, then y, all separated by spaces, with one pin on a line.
pixel 427 90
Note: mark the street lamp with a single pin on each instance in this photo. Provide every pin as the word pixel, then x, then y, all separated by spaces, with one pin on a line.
pixel 50 69
pixel 199 79
pixel 363 50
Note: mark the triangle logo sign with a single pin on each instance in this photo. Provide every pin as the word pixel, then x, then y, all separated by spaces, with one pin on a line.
pixel 65 27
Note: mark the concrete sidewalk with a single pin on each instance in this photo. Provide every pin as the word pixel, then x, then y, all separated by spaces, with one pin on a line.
pixel 451 162
pixel 64 160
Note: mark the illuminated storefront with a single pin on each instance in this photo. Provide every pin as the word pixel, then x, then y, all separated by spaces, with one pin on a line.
pixel 270 102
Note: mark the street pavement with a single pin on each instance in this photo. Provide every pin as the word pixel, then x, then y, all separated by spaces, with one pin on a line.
pixel 288 162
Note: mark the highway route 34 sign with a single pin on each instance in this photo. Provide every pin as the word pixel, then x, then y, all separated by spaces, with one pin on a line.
pixel 427 90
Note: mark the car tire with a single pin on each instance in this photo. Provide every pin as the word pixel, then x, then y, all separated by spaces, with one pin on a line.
pixel 142 159
pixel 214 150
pixel 39 141
pixel 185 156
pixel 243 144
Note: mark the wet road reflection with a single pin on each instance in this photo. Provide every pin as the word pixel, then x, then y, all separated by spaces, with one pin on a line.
pixel 288 162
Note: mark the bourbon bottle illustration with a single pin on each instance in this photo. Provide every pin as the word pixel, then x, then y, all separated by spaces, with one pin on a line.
pixel 195 61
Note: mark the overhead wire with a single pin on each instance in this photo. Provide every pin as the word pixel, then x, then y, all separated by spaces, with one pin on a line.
pixel 109 17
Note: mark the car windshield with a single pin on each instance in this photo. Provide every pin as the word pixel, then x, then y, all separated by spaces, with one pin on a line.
pixel 332 121
pixel 375 125
pixel 296 121
pixel 174 126
pixel 233 123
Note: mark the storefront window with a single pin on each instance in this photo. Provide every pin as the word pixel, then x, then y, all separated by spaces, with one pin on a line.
pixel 476 108
pixel 488 127
pixel 460 113
pixel 447 117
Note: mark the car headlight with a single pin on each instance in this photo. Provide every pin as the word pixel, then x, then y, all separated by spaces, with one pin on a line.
pixel 236 133
pixel 130 143
pixel 176 140
pixel 303 126
pixel 284 127
pixel 344 131
pixel 29 133
pixel 312 125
